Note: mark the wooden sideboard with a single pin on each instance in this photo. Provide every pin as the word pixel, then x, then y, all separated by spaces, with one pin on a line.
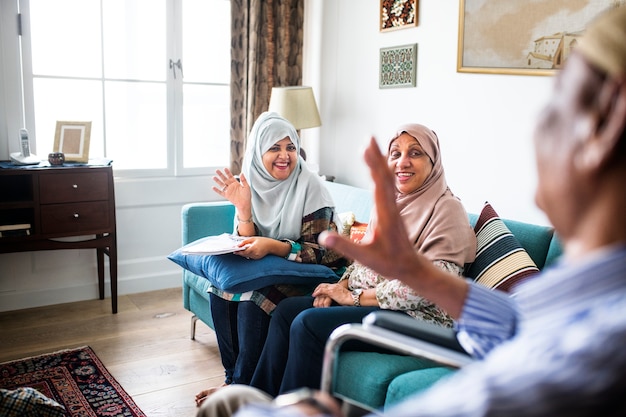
pixel 42 205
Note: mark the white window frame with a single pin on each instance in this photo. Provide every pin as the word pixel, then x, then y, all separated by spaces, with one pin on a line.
pixel 11 91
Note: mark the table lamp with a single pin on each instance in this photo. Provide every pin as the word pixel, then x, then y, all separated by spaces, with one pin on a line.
pixel 296 104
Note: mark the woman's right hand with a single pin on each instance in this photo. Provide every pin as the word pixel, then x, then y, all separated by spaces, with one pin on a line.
pixel 237 192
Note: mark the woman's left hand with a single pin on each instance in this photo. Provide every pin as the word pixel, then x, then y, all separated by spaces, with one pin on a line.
pixel 256 247
pixel 336 292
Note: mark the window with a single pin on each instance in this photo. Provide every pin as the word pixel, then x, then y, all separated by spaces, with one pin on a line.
pixel 151 75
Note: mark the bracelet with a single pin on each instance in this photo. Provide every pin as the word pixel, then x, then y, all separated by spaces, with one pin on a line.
pixel 243 221
pixel 295 248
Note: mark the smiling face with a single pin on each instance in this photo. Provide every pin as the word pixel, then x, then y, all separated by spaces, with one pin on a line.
pixel 281 159
pixel 409 163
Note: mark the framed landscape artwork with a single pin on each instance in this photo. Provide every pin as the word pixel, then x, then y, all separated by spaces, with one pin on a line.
pixel 531 37
pixel 398 14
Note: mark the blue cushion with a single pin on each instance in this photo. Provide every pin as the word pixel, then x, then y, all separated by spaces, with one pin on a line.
pixel 234 273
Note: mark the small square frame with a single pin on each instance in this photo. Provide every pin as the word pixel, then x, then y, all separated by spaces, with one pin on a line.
pixel 72 138
pixel 398 14
pixel 398 66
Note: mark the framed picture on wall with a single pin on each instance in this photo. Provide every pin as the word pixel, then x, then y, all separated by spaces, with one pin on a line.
pixel 398 14
pixel 72 139
pixel 398 66
pixel 510 37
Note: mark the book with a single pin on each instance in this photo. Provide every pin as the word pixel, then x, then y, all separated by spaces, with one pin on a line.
pixel 19 229
pixel 19 226
pixel 14 233
pixel 215 245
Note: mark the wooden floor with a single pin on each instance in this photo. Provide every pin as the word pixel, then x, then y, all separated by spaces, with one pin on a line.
pixel 145 346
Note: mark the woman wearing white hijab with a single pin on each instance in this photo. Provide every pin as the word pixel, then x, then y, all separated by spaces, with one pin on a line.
pixel 282 207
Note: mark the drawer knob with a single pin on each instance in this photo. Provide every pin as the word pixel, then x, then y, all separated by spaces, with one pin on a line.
pixel 76 216
pixel 75 186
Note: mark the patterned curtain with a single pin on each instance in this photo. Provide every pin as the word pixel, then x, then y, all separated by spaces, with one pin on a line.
pixel 266 52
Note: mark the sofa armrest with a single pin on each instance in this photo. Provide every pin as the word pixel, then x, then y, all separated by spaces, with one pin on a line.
pixel 418 329
pixel 206 219
pixel 408 337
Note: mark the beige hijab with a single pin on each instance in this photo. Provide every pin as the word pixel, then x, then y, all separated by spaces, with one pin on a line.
pixel 435 219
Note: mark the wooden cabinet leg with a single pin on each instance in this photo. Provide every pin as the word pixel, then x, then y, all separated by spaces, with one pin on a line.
pixel 100 261
pixel 113 273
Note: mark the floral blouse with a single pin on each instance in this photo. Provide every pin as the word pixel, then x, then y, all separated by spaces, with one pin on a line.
pixel 395 295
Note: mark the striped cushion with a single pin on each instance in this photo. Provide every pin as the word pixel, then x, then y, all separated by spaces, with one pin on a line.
pixel 501 261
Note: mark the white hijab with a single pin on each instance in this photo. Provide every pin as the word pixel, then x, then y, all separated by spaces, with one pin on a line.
pixel 278 206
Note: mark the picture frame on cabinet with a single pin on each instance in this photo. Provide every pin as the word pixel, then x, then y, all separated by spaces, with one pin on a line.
pixel 502 37
pixel 72 139
pixel 398 14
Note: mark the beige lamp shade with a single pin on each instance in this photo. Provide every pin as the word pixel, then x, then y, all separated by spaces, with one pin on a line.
pixel 296 104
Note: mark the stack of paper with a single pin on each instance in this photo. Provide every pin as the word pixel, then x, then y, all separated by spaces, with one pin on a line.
pixel 215 245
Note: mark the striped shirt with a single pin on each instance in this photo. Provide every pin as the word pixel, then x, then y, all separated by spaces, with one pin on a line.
pixel 555 348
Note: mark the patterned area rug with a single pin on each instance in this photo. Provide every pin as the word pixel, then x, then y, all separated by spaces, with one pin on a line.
pixel 75 378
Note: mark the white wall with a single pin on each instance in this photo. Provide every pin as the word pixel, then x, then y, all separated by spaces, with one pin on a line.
pixel 484 123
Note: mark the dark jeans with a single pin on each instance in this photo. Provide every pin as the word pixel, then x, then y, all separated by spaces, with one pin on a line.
pixel 241 329
pixel 294 348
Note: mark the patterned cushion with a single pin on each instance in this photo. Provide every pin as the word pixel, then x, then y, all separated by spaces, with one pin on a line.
pixel 357 231
pixel 501 261
pixel 28 402
pixel 352 228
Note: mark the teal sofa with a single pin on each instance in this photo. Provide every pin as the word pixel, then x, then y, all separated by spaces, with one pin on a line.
pixel 207 219
pixel 388 378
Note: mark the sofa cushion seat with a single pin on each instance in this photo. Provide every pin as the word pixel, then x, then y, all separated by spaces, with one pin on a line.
pixel 371 387
pixel 412 382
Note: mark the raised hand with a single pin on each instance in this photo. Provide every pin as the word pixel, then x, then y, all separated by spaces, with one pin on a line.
pixel 389 251
pixel 237 192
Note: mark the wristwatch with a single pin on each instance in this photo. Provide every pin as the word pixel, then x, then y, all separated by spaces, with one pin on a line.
pixel 356 297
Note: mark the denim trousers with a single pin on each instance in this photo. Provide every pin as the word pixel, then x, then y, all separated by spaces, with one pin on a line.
pixel 294 348
pixel 241 329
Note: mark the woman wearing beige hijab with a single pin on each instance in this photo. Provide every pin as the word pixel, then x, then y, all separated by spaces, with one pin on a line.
pixel 439 229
